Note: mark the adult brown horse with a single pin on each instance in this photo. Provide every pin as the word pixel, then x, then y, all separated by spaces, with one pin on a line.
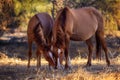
pixel 78 25
pixel 40 31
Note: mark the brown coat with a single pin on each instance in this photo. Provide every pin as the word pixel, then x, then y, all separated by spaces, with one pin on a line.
pixel 40 31
pixel 79 25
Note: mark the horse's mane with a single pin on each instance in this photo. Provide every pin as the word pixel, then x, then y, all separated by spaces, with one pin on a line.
pixel 38 38
pixel 61 17
pixel 60 39
pixel 59 29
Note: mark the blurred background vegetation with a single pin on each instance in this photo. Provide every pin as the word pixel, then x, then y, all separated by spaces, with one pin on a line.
pixel 15 14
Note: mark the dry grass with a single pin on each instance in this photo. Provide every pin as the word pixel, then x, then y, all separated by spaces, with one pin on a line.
pixel 15 68
pixel 113 33
pixel 98 71
pixel 80 75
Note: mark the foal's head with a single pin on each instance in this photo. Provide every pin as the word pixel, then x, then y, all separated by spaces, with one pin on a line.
pixel 43 46
pixel 47 53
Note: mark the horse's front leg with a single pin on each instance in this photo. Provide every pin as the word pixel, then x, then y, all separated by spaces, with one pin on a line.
pixel 67 57
pixel 90 49
pixel 38 55
pixel 67 60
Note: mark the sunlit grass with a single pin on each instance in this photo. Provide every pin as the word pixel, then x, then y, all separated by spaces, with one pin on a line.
pixel 98 71
pixel 15 61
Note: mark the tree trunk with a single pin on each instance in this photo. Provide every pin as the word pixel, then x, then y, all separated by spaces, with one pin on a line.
pixel 57 5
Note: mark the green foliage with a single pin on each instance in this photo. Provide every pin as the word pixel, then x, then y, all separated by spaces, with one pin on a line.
pixel 109 8
pixel 18 12
pixel 7 15
pixel 24 9
pixel 110 23
pixel 31 6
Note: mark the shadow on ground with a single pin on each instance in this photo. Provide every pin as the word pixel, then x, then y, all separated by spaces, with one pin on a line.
pixel 16 47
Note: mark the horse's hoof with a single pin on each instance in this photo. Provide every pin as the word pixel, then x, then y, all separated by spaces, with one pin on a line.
pixel 51 68
pixel 88 64
pixel 28 66
pixel 55 67
pixel 108 63
pixel 68 67
pixel 58 67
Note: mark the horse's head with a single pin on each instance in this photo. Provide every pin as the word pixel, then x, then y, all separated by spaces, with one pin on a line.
pixel 47 53
pixel 59 36
pixel 54 55
pixel 58 48
pixel 58 54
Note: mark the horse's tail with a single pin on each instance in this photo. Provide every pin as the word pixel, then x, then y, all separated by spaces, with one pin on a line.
pixel 99 32
pixel 98 46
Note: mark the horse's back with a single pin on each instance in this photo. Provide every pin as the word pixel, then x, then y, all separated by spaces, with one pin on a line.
pixel 45 21
pixel 85 23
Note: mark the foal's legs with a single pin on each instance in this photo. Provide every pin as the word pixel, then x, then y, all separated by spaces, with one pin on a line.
pixel 90 49
pixel 103 43
pixel 29 51
pixel 38 55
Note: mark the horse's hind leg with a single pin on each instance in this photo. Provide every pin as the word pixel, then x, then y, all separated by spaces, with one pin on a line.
pixel 103 44
pixel 98 47
pixel 90 49
pixel 29 51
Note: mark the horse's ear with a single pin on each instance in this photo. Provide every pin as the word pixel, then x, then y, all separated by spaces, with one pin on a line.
pixel 66 8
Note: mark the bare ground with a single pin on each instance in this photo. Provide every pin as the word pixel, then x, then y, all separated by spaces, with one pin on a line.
pixel 13 61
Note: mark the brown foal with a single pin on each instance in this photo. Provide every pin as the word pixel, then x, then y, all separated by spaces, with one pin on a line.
pixel 40 31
